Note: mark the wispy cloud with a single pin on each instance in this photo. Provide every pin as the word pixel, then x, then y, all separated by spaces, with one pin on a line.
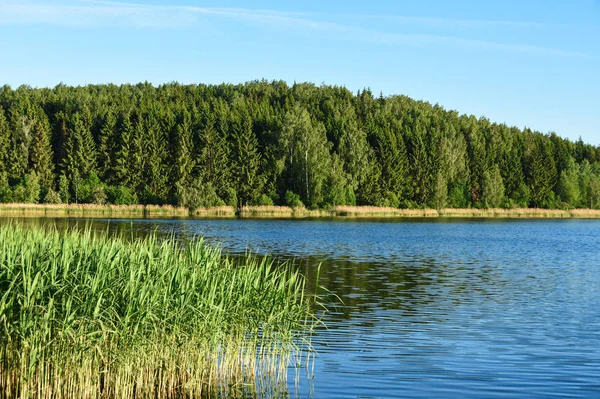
pixel 453 22
pixel 105 13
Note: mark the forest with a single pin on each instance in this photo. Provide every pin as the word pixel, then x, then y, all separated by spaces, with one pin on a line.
pixel 266 143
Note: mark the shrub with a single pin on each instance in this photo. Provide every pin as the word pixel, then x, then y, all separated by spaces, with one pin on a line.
pixel 198 196
pixel 121 195
pixel 263 200
pixel 52 197
pixel 293 200
pixel 98 195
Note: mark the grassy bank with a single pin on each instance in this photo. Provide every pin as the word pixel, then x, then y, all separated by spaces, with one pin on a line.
pixel 281 212
pixel 107 211
pixel 375 212
pixel 83 315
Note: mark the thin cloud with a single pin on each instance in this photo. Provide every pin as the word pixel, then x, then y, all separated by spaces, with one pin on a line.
pixel 106 13
pixel 452 22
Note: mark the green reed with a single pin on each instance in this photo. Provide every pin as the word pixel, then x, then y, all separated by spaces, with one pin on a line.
pixel 84 315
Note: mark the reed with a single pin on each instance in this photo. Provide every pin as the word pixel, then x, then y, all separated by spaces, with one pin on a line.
pixel 374 211
pixel 274 212
pixel 215 211
pixel 585 213
pixel 84 315
pixel 515 213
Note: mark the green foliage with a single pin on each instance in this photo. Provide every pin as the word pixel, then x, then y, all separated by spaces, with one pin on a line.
pixel 28 191
pixel 42 154
pixel 522 196
pixel 568 184
pixel 5 190
pixel 589 186
pixel 293 200
pixel 206 144
pixel 99 196
pixel 121 195
pixel 247 161
pixel 90 190
pixel 458 196
pixel 195 196
pixel 263 200
pixel 52 197
pixel 305 155
pixel 542 172
pixel 493 187
pixel 440 191
pixel 5 145
pixel 337 184
pixel 63 189
pixel 388 199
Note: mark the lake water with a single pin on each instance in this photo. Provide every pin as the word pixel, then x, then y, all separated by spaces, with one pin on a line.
pixel 436 309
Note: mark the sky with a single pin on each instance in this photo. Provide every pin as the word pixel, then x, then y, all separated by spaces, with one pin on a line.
pixel 526 63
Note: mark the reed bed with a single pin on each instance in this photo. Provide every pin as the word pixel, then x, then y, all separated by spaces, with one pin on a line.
pixel 215 211
pixel 84 315
pixel 274 212
pixel 506 213
pixel 165 210
pixel 585 213
pixel 374 211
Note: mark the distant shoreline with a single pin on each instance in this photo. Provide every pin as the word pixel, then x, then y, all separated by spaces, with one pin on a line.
pixel 282 212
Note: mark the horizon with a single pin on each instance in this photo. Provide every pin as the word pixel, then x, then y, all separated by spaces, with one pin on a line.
pixel 531 65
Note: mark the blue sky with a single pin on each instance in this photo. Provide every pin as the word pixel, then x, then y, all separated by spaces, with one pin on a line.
pixel 527 63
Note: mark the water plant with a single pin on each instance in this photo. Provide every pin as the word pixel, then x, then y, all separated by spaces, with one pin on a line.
pixel 85 315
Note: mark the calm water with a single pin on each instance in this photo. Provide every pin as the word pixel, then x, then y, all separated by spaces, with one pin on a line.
pixel 438 309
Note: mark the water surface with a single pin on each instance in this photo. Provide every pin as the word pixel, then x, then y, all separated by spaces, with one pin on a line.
pixel 456 308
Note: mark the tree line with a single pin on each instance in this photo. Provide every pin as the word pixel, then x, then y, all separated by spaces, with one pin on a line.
pixel 265 143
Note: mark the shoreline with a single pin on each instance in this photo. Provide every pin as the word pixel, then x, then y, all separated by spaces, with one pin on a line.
pixel 283 212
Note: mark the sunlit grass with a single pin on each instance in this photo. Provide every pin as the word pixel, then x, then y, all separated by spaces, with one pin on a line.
pixel 274 211
pixel 83 315
pixel 375 211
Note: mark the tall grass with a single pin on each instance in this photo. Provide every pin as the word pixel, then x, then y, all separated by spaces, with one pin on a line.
pixel 282 212
pixel 275 212
pixel 87 316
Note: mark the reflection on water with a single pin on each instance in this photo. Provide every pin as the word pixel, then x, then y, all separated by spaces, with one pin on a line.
pixel 434 308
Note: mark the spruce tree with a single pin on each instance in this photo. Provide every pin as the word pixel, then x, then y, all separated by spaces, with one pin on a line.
pixel 41 156
pixel 5 140
pixel 121 166
pixel 246 161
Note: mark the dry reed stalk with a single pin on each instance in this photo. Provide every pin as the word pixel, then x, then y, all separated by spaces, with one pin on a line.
pixel 214 211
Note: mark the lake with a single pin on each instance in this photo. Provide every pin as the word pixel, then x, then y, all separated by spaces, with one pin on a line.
pixel 435 308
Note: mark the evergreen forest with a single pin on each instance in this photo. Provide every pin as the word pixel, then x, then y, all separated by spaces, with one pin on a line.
pixel 270 143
